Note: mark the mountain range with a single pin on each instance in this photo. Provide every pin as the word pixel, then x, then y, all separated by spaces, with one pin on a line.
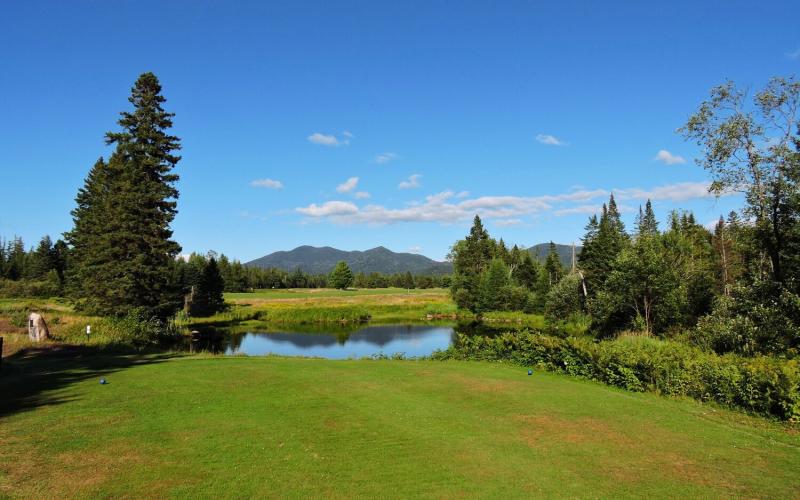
pixel 321 260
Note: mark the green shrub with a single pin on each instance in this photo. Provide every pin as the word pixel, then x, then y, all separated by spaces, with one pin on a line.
pixel 26 288
pixel 564 299
pixel 763 385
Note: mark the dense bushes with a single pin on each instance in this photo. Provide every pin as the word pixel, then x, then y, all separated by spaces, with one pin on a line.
pixel 763 318
pixel 762 385
pixel 25 288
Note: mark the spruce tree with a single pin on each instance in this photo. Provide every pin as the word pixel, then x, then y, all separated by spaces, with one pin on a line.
pixel 647 224
pixel 493 282
pixel 208 298
pixel 553 267
pixel 341 277
pixel 604 241
pixel 123 251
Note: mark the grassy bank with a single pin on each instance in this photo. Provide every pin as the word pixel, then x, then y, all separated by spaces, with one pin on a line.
pixel 210 427
pixel 326 306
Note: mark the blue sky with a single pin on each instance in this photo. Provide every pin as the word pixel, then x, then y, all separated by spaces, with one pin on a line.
pixel 358 124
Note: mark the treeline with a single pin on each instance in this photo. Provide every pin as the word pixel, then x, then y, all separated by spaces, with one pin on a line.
pixel 240 278
pixel 735 288
pixel 487 276
pixel 38 271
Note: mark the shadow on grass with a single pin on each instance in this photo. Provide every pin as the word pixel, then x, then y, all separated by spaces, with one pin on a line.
pixel 29 377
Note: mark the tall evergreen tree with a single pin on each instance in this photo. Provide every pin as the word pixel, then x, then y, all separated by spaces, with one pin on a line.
pixel 341 277
pixel 603 242
pixel 207 298
pixel 647 224
pixel 493 282
pixel 121 238
pixel 470 257
pixel 553 266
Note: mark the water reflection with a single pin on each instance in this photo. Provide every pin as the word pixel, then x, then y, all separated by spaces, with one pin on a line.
pixel 410 340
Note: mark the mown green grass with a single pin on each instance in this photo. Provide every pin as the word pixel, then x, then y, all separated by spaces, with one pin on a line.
pixel 275 427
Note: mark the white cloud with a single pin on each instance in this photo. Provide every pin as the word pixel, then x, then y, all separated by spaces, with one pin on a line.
pixel 507 222
pixel 324 140
pixel 348 185
pixel 794 54
pixel 362 195
pixel 385 158
pixel 681 191
pixel 330 139
pixel 448 208
pixel 550 140
pixel 668 158
pixel 462 194
pixel 412 182
pixel 329 209
pixel 579 210
pixel 415 249
pixel 267 183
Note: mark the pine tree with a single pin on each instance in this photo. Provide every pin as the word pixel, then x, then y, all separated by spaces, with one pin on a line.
pixel 123 251
pixel 470 257
pixel 208 298
pixel 604 241
pixel 647 224
pixel 41 260
pixel 553 267
pixel 493 282
pixel 341 277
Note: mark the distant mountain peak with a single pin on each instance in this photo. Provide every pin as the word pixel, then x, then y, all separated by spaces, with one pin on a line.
pixel 321 260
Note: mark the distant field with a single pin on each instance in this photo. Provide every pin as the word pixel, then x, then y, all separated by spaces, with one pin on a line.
pixel 294 293
pixel 273 427
pixel 333 306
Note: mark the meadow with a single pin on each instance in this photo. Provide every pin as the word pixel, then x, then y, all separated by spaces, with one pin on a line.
pixel 172 424
pixel 178 426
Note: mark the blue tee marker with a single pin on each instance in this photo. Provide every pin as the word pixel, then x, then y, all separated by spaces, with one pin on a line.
pixel 103 381
pixel 530 372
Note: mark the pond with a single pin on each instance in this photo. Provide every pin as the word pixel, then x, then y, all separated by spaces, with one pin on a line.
pixel 411 341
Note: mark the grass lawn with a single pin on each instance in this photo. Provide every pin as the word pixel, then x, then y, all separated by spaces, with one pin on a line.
pixel 276 427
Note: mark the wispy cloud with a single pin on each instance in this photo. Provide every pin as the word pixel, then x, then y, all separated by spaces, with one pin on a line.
pixel 668 158
pixel 795 54
pixel 329 209
pixel 550 140
pixel 267 183
pixel 579 210
pixel 507 222
pixel 447 208
pixel 415 249
pixel 348 185
pixel 411 183
pixel 330 139
pixel 385 158
pixel 681 191
pixel 362 195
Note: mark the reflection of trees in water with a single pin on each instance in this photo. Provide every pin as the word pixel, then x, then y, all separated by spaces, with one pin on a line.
pixel 477 328
pixel 378 336
pixel 310 336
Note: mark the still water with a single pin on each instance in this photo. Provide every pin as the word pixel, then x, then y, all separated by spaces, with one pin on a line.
pixel 410 340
